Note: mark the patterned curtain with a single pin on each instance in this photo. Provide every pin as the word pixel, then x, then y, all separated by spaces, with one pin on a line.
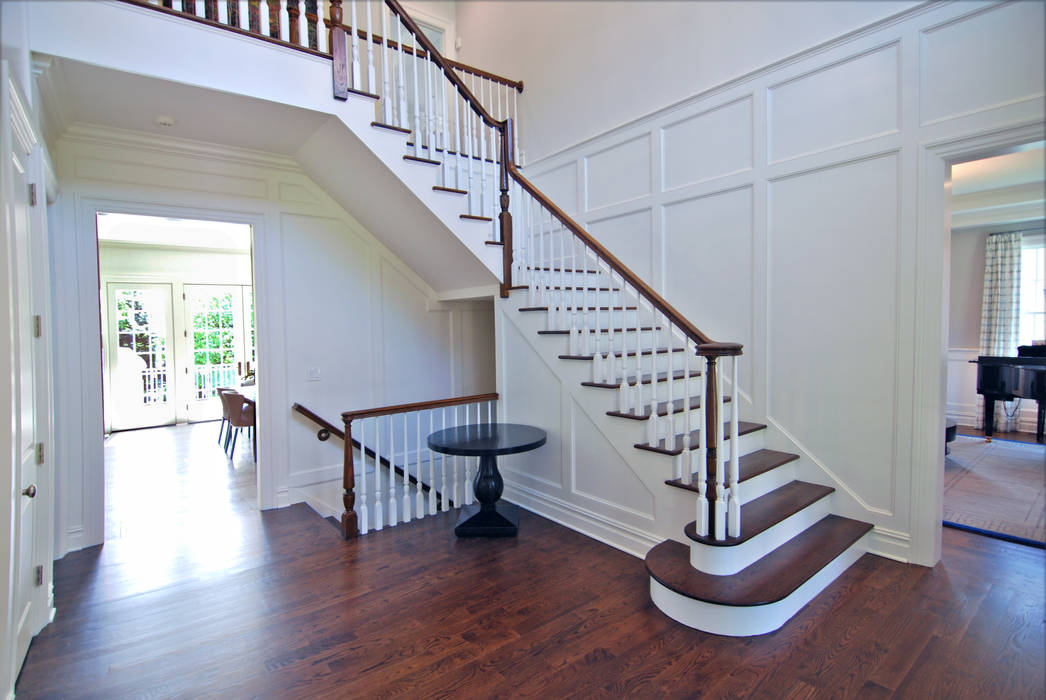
pixel 1001 314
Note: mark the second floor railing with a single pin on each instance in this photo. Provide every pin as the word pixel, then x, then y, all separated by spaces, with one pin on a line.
pixel 389 475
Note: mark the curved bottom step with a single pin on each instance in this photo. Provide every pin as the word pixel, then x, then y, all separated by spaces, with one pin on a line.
pixel 762 597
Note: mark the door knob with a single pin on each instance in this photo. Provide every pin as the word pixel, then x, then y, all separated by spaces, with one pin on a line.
pixel 30 491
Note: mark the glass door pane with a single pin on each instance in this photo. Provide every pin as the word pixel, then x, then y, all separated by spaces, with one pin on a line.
pixel 140 355
pixel 220 330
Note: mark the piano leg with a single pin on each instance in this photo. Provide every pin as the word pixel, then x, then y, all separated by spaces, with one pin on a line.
pixel 989 418
pixel 1039 424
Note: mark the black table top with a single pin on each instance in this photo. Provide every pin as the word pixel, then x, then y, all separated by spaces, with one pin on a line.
pixel 487 439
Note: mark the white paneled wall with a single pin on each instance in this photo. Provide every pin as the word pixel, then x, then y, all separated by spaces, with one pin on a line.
pixel 782 211
pixel 330 297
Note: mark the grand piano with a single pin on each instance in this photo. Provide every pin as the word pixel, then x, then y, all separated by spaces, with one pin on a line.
pixel 1008 378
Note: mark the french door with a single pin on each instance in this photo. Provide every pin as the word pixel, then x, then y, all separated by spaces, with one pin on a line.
pixel 219 322
pixel 141 355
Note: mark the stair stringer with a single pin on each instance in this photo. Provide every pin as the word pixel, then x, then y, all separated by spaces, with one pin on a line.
pixel 673 508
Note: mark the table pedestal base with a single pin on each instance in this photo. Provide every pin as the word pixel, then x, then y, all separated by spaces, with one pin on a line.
pixel 476 522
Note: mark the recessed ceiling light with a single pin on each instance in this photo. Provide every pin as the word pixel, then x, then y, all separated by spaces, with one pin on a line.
pixel 163 120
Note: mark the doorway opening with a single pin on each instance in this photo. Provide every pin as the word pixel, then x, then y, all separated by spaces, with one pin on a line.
pixel 995 456
pixel 178 325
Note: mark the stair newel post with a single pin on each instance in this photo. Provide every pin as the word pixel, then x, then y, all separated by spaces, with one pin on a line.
pixel 354 30
pixel 349 523
pixel 734 509
pixel 341 75
pixel 505 217
pixel 713 443
pixel 364 520
pixel 701 459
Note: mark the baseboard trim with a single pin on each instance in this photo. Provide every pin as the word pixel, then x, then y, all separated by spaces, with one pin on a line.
pixel 606 530
pixel 890 544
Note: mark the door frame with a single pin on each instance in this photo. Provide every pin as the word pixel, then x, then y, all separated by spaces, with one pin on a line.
pixel 933 268
pixel 82 440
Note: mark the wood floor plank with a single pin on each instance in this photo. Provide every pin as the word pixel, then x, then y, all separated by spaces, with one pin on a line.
pixel 286 609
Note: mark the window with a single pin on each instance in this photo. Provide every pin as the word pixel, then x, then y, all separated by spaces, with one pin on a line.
pixel 1033 288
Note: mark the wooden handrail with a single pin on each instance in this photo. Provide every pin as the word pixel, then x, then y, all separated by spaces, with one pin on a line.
pixel 324 424
pixel 655 299
pixel 419 406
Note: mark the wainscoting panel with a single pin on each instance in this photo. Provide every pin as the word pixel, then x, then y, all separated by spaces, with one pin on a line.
pixel 561 185
pixel 982 60
pixel 852 100
pixel 630 236
pixel 708 145
pixel 605 184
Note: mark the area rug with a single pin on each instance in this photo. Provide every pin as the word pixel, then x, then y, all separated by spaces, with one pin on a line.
pixel 998 486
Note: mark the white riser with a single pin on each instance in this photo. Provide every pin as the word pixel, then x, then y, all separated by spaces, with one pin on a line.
pixel 735 621
pixel 749 443
pixel 723 561
pixel 765 483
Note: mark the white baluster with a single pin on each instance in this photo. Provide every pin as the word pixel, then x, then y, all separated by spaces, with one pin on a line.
pixel 303 24
pixel 637 368
pixel 393 517
pixel 417 103
pixel 223 12
pixel 457 467
pixel 515 121
pixel 363 474
pixel 377 474
pixel 482 165
pixel 285 21
pixel 386 65
pixel 442 122
pixel 456 98
pixel 720 490
pixel 468 114
pixel 263 18
pixel 322 14
pixel 401 103
pixel 671 373
pixel 406 473
pixel 199 8
pixel 734 512
pixel 419 498
pixel 371 78
pixel 432 467
pixel 355 43
pixel 688 474
pixel 467 486
pixel 653 365
pixel 445 500
pixel 430 104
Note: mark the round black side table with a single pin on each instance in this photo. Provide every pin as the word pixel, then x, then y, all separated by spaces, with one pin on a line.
pixel 487 441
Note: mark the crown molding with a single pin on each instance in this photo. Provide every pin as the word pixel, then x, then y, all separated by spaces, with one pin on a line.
pixel 84 133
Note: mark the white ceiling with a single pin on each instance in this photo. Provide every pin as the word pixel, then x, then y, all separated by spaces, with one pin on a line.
pixel 173 233
pixel 101 96
pixel 1013 169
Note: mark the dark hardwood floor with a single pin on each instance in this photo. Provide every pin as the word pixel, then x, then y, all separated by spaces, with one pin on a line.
pixel 276 605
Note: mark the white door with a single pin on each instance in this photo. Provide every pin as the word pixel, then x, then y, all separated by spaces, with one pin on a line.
pixel 140 355
pixel 219 320
pixel 26 577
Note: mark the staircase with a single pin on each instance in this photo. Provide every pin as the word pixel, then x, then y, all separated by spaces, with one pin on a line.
pixel 762 543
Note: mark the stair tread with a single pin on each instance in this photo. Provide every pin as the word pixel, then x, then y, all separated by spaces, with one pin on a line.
pixel 473 217
pixel 761 514
pixel 631 353
pixel 451 190
pixel 363 93
pixel 390 127
pixel 752 465
pixel 581 308
pixel 603 330
pixel 584 289
pixel 644 379
pixel 770 579
pixel 678 406
pixel 494 243
pixel 419 159
pixel 743 428
pixel 562 269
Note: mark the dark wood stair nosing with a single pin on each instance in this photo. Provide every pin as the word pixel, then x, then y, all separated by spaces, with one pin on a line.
pixel 423 161
pixel 390 127
pixel 766 511
pixel 474 217
pixel 645 379
pixel 582 308
pixel 448 190
pixel 494 243
pixel 768 580
pixel 678 406
pixel 753 464
pixel 362 93
pixel 642 329
pixel 630 353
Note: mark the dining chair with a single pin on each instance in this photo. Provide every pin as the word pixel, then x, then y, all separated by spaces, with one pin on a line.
pixel 225 413
pixel 241 415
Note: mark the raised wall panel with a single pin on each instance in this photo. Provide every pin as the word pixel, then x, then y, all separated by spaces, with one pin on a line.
pixel 848 101
pixel 601 475
pixel 560 185
pixel 833 318
pixel 708 145
pixel 168 177
pixel 629 238
pixel 619 174
pixel 986 59
pixel 532 395
pixel 708 266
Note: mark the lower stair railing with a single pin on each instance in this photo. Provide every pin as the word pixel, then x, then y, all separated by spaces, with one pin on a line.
pixel 397 478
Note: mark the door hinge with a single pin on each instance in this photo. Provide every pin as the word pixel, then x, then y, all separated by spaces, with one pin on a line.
pixel 185 334
pixel 39 575
pixel 32 194
pixel 38 326
pixel 39 453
